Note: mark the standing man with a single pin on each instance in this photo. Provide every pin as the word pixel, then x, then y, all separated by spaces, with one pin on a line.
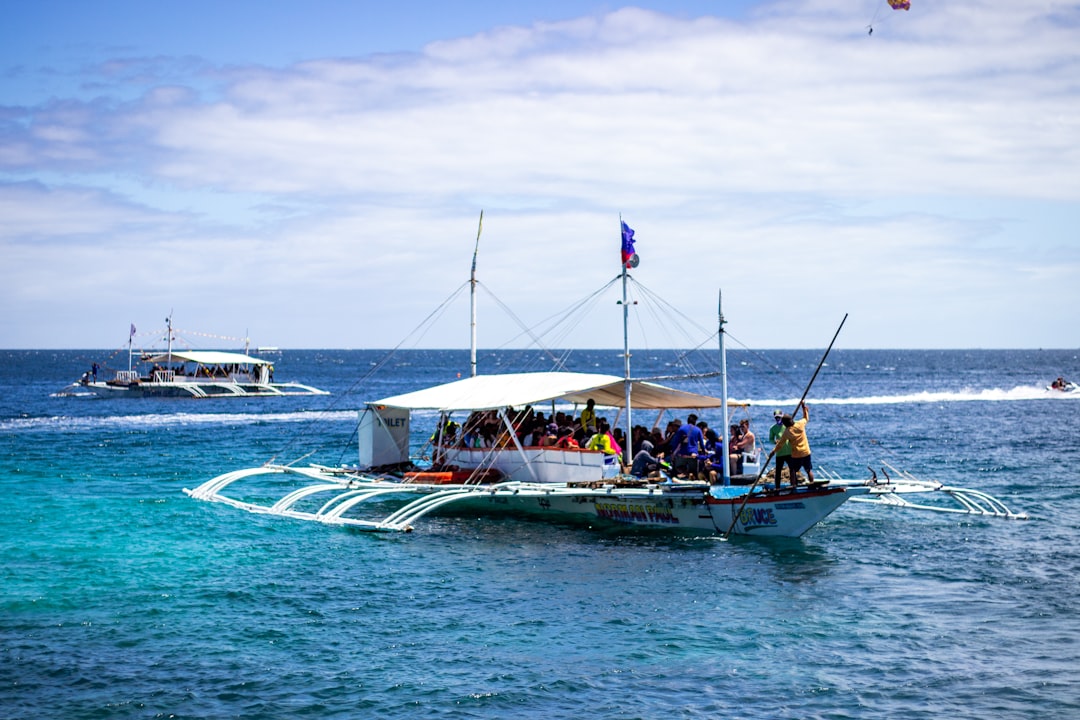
pixel 588 416
pixel 783 450
pixel 687 447
pixel 795 434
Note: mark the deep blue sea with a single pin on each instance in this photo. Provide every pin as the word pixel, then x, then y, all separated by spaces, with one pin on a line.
pixel 121 597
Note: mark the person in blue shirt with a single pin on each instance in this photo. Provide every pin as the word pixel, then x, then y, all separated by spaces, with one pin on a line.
pixel 687 446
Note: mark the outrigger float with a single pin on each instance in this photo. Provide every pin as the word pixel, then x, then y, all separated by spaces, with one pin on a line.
pixel 553 482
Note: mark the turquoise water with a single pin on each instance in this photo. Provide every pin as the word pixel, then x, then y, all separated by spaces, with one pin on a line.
pixel 122 597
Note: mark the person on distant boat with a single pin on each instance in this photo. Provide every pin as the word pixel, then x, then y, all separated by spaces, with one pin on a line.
pixel 795 434
pixel 1059 384
pixel 588 416
pixel 783 450
pixel 93 371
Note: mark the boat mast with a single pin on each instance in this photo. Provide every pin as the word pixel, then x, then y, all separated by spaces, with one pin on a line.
pixel 131 336
pixel 472 300
pixel 723 390
pixel 168 325
pixel 628 439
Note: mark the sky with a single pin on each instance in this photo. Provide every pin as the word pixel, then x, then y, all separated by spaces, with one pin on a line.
pixel 311 175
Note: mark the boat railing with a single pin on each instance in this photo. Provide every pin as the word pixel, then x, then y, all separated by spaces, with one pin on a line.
pixel 164 376
pixel 127 376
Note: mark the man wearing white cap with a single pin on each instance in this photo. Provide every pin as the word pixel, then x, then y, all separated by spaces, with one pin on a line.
pixel 783 452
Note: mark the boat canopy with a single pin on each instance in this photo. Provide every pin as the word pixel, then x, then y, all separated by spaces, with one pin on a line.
pixel 490 392
pixel 205 357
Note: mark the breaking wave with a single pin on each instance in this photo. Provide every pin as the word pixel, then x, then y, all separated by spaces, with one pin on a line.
pixel 150 421
pixel 1020 393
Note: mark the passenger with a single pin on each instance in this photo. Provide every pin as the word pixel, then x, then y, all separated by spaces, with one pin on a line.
pixel 795 433
pixel 783 450
pixel 470 436
pixel 668 435
pixel 603 441
pixel 550 436
pixel 566 438
pixel 657 439
pixel 745 444
pixel 588 416
pixel 687 446
pixel 734 435
pixel 714 455
pixel 645 463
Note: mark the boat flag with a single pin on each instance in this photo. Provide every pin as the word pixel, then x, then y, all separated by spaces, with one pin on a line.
pixel 630 258
pixel 132 331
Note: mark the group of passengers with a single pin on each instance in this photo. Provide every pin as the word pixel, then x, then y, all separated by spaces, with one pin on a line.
pixel 695 450
pixel 688 449
pixel 486 429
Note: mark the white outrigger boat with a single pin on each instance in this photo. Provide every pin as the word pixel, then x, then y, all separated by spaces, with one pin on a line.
pixel 173 373
pixel 547 482
pixel 568 482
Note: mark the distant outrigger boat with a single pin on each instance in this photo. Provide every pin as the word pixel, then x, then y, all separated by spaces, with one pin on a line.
pixel 548 481
pixel 193 374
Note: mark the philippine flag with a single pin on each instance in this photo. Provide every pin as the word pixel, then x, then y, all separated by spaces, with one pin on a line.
pixel 629 257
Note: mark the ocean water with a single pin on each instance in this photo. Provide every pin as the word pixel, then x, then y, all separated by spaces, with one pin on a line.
pixel 121 597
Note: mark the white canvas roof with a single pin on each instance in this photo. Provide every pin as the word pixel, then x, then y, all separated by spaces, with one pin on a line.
pixel 489 392
pixel 205 357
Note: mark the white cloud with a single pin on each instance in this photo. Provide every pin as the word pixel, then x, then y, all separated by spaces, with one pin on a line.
pixel 790 150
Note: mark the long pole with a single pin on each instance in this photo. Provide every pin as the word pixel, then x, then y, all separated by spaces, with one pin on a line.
pixel 472 300
pixel 628 438
pixel 765 465
pixel 726 473
pixel 168 325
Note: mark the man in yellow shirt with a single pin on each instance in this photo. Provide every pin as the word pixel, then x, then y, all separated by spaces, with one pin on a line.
pixel 795 435
pixel 588 416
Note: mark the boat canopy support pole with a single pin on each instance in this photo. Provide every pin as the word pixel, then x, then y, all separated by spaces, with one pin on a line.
pixel 517 443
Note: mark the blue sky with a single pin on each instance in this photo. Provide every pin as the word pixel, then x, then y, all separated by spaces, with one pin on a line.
pixel 312 173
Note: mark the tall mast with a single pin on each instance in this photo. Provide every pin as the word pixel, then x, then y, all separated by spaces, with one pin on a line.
pixel 724 434
pixel 628 438
pixel 168 325
pixel 472 300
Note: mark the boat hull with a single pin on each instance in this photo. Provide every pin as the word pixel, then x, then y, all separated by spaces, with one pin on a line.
pixel 785 514
pixel 339 498
pixel 198 389
pixel 788 513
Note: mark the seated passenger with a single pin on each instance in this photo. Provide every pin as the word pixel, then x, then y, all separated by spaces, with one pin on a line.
pixel 603 441
pixel 550 437
pixel 645 463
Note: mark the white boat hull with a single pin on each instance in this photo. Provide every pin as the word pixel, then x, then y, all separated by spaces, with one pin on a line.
pixel 191 389
pixel 787 514
pixel 336 497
